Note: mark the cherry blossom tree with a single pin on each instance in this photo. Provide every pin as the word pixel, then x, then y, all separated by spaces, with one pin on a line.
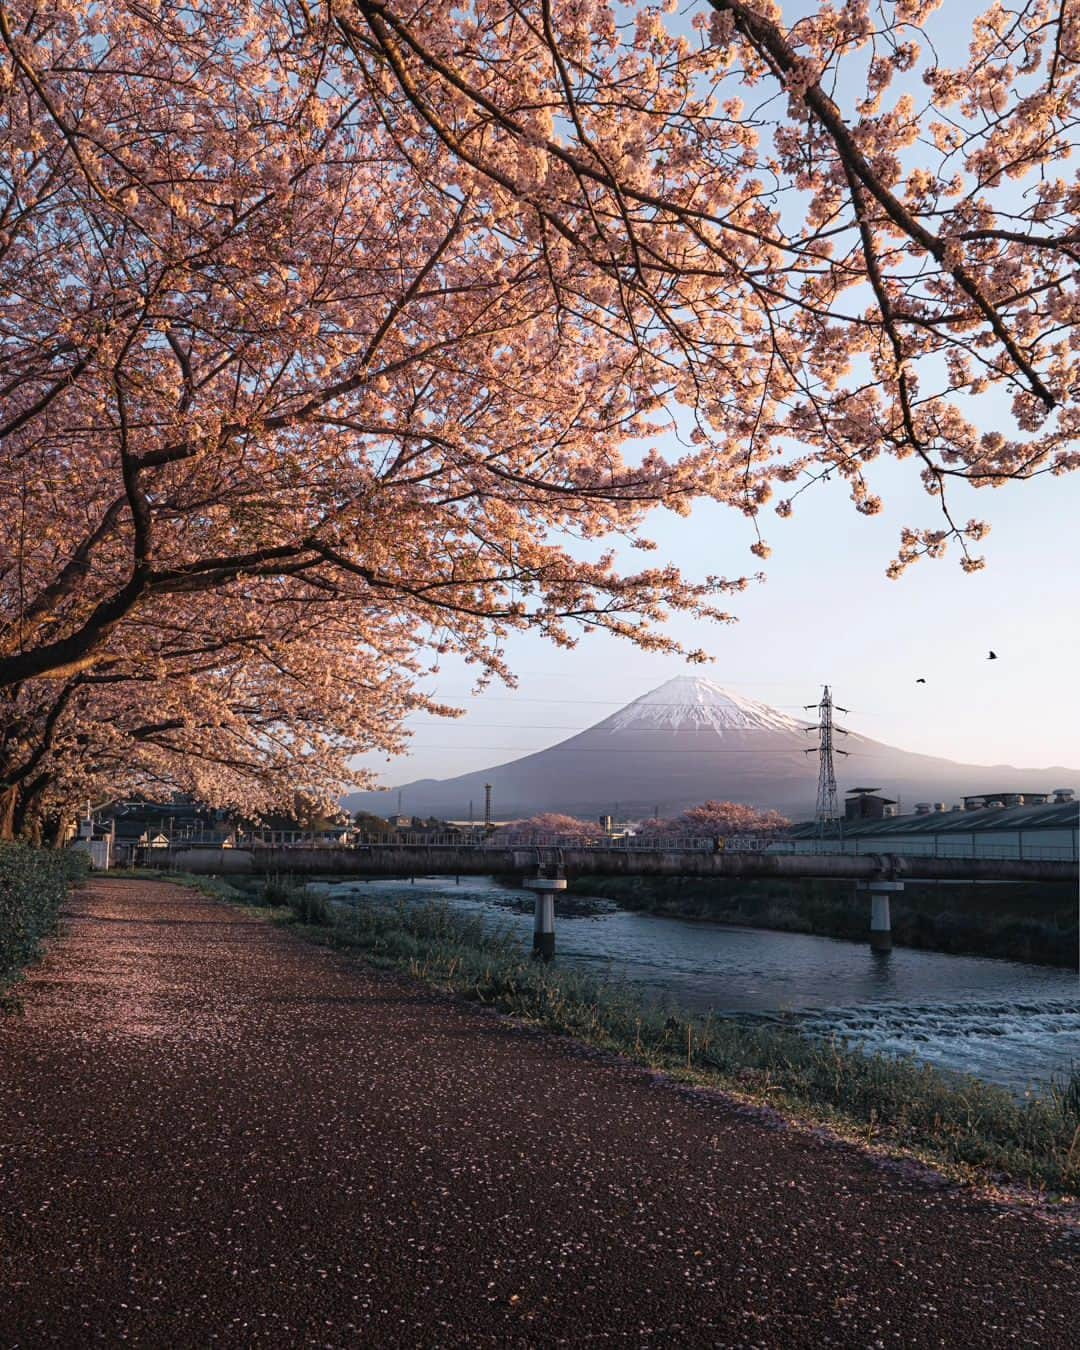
pixel 369 315
pixel 234 727
pixel 556 823
pixel 718 818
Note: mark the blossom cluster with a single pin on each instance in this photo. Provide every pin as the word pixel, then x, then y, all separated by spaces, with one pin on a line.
pixel 335 336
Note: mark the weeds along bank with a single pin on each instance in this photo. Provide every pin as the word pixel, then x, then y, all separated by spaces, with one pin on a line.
pixel 973 1127
pixel 1020 923
pixel 34 883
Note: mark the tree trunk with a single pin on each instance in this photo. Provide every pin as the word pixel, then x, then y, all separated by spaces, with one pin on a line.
pixel 9 802
pixel 52 830
pixel 27 816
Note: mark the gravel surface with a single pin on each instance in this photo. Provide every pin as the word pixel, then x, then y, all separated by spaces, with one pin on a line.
pixel 214 1134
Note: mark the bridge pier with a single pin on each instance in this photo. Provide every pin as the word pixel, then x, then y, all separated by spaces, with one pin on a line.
pixel 880 912
pixel 544 914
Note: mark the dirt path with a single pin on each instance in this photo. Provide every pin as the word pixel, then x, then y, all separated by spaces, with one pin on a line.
pixel 213 1134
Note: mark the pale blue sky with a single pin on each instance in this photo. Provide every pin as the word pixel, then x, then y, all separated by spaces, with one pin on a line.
pixel 827 613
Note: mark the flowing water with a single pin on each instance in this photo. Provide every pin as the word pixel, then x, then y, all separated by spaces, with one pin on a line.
pixel 1009 1023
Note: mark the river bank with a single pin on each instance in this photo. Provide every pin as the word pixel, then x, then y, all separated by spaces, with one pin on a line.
pixel 1035 924
pixel 1013 1024
pixel 313 1150
pixel 898 1103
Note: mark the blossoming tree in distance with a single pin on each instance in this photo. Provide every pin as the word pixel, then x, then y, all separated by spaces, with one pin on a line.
pixel 719 818
pixel 325 327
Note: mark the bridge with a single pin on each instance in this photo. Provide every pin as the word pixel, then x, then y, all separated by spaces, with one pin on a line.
pixel 547 863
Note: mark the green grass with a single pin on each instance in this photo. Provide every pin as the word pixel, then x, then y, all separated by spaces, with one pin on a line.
pixel 273 894
pixel 211 886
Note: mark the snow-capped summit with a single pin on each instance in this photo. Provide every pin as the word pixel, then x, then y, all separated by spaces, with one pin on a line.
pixel 686 742
pixel 689 703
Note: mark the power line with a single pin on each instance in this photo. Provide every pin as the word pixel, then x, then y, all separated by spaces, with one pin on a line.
pixel 584 702
pixel 604 750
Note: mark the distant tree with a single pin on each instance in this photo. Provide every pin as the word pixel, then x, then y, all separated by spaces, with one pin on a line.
pixel 719 818
pixel 654 825
pixel 555 823
pixel 368 823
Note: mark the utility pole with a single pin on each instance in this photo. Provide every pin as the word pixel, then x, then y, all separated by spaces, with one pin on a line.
pixel 487 808
pixel 828 807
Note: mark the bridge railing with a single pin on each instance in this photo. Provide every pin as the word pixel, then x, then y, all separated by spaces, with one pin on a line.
pixel 934 847
pixel 914 846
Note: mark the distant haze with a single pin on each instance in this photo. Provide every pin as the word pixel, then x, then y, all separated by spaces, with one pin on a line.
pixel 690 740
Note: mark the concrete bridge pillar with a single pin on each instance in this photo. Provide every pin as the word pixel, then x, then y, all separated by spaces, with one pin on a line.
pixel 880 912
pixel 544 914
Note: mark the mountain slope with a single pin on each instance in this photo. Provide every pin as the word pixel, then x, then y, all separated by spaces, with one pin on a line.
pixel 690 740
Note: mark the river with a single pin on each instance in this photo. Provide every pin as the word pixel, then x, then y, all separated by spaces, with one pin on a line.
pixel 1009 1023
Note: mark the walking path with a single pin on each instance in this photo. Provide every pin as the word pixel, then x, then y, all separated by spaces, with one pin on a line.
pixel 213 1134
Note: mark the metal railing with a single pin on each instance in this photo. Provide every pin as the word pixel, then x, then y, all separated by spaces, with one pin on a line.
pixel 504 840
pixel 929 848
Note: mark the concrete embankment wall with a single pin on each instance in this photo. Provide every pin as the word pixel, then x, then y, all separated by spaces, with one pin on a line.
pixel 441 861
pixel 1017 921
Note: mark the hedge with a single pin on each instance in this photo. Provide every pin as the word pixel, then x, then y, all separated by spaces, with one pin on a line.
pixel 34 883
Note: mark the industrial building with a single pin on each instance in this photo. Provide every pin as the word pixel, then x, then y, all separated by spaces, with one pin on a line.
pixel 990 825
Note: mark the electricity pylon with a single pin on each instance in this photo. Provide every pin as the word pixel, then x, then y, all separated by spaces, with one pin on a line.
pixel 828 806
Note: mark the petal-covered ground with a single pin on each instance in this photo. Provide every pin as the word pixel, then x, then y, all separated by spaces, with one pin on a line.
pixel 214 1134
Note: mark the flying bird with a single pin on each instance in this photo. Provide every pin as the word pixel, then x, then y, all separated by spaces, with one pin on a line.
pixel 920 680
pixel 992 656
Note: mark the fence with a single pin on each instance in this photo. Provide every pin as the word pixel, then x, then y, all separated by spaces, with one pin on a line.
pixel 919 846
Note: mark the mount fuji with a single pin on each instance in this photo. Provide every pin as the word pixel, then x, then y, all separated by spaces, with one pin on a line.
pixel 690 740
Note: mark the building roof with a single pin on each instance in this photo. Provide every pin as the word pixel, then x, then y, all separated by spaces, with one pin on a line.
pixel 1046 816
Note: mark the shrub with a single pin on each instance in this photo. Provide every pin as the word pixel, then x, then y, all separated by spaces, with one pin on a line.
pixel 310 909
pixel 33 885
pixel 276 892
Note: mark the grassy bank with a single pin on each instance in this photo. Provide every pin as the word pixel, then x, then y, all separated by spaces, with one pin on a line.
pixel 1020 923
pixel 975 1129
pixel 34 883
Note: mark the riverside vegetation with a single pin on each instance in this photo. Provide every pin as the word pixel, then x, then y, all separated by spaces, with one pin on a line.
pixel 973 1128
pixel 34 883
pixel 1017 922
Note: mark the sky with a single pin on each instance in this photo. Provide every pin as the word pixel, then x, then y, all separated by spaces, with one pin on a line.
pixel 828 614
